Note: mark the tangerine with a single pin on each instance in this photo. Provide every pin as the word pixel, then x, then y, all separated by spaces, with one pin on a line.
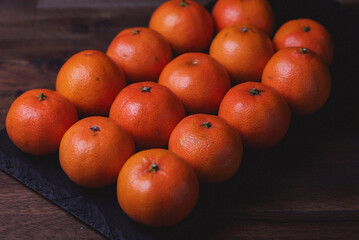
pixel 141 53
pixel 305 33
pixel 243 50
pixel 258 13
pixel 38 119
pixel 149 112
pixel 301 77
pixel 198 80
pixel 91 80
pixel 157 188
pixel 186 24
pixel 93 151
pixel 258 112
pixel 210 145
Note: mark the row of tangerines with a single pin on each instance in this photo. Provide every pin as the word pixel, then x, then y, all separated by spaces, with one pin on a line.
pixel 159 187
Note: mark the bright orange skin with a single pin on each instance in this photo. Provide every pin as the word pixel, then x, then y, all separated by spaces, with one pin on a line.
pixel 214 150
pixel 141 53
pixel 295 34
pixel 91 80
pixel 148 116
pixel 157 198
pixel 302 79
pixel 258 13
pixel 262 120
pixel 189 28
pixel 36 126
pixel 94 157
pixel 198 80
pixel 243 53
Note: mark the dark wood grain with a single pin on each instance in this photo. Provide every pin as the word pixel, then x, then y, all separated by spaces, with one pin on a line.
pixel 302 193
pixel 27 215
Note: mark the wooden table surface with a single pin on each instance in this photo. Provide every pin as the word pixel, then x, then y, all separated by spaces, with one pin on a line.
pixel 314 197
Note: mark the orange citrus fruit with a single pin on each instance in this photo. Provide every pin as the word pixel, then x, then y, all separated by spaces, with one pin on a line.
pixel 157 188
pixel 38 119
pixel 91 80
pixel 243 50
pixel 258 112
pixel 301 76
pixel 186 24
pixel 210 145
pixel 258 13
pixel 141 53
pixel 93 151
pixel 149 112
pixel 198 80
pixel 305 33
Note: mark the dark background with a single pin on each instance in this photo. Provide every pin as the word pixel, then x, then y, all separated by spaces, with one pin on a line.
pixel 305 188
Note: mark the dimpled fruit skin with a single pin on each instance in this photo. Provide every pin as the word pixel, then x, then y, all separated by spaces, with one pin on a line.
pixel 305 33
pixel 148 115
pixel 262 120
pixel 258 13
pixel 35 126
pixel 243 50
pixel 141 53
pixel 302 79
pixel 161 197
pixel 91 80
pixel 198 80
pixel 189 27
pixel 93 151
pixel 210 145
